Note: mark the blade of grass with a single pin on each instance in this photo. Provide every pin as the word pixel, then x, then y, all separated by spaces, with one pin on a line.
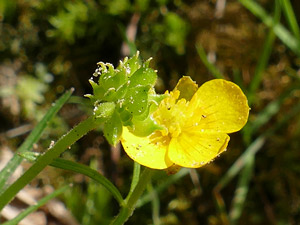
pixel 241 191
pixel 237 78
pixel 33 208
pixel 62 144
pixel 271 109
pixel 240 162
pixel 155 205
pixel 232 172
pixel 264 57
pixel 293 112
pixel 259 69
pixel 290 17
pixel 79 168
pixel 34 136
pixel 261 65
pixel 211 67
pixel 93 210
pixel 266 114
pixel 281 32
pixel 161 187
pixel 91 173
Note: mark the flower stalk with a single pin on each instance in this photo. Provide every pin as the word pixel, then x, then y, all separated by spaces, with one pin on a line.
pixel 130 203
pixel 53 152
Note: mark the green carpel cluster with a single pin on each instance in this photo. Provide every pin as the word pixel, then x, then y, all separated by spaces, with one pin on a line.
pixel 125 96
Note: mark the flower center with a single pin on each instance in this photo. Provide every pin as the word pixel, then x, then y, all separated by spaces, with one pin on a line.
pixel 172 115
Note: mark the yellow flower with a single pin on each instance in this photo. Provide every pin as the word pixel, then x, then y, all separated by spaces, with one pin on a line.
pixel 196 122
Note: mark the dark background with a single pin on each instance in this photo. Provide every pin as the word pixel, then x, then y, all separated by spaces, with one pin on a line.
pixel 48 46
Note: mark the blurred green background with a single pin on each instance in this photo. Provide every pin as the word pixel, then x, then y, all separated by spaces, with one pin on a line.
pixel 48 46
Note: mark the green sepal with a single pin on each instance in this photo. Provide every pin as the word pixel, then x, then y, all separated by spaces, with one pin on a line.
pixel 113 129
pixel 136 99
pixel 145 127
pixel 126 117
pixel 156 98
pixel 152 106
pixel 143 76
pixel 130 65
pixel 121 91
pixel 110 95
pixel 113 79
pixel 98 90
pixel 115 95
pixel 145 114
pixel 104 110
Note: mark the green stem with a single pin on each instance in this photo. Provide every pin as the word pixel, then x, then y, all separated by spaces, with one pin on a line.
pixel 130 205
pixel 135 179
pixel 62 144
pixel 34 136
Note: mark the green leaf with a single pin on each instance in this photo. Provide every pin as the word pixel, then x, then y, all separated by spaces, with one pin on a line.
pixel 85 170
pixel 113 129
pixel 79 168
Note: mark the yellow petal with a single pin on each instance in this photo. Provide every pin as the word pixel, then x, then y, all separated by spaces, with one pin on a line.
pixel 148 151
pixel 194 149
pixel 222 105
pixel 187 87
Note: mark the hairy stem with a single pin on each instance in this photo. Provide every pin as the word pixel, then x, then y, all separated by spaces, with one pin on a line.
pixel 53 152
pixel 130 205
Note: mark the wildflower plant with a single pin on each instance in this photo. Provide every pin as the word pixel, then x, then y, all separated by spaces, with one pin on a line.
pixel 187 127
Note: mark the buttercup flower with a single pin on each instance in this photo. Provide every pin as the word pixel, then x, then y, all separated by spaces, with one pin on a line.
pixel 196 123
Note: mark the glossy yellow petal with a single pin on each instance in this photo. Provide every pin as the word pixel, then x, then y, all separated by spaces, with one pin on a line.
pixel 195 149
pixel 219 106
pixel 187 87
pixel 148 151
